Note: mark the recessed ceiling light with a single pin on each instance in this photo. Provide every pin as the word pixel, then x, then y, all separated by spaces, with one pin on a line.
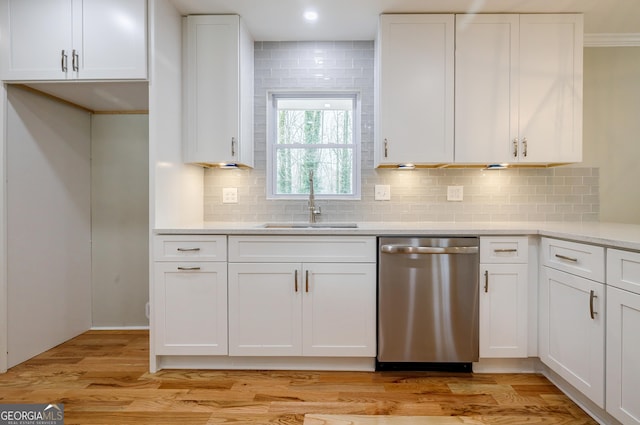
pixel 311 15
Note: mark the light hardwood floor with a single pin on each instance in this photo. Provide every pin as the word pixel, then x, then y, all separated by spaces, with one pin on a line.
pixel 101 377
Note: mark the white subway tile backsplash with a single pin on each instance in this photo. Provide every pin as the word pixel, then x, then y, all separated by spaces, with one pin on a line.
pixel 527 194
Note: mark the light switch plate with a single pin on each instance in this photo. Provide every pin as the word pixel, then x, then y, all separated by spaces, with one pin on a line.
pixel 454 193
pixel 230 195
pixel 382 192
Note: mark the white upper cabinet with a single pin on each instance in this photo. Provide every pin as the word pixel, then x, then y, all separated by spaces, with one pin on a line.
pixel 518 89
pixel 73 39
pixel 415 93
pixel 550 88
pixel 219 91
pixel 486 88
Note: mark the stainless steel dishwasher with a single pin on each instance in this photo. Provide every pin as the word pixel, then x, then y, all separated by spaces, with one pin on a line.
pixel 427 303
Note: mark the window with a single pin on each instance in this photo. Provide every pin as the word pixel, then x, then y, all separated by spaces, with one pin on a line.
pixel 313 132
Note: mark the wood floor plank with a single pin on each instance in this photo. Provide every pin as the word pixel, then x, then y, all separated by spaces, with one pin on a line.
pixel 378 420
pixel 102 378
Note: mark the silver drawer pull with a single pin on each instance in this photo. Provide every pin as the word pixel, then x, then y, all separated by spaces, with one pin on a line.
pixel 564 257
pixel 188 249
pixel 63 62
pixel 592 296
pixel 409 249
pixel 500 251
pixel 75 62
pixel 188 268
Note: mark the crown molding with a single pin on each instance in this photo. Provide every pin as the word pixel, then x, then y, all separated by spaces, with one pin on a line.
pixel 612 40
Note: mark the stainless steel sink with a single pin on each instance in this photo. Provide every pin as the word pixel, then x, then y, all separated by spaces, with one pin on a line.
pixel 310 226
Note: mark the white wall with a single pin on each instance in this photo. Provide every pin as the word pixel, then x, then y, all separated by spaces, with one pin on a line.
pixel 612 128
pixel 119 219
pixel 3 239
pixel 48 223
pixel 176 188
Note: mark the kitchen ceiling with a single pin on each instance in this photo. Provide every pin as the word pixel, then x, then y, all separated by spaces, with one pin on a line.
pixel 280 20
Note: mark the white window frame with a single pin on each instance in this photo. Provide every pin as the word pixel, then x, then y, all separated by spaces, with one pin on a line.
pixel 272 97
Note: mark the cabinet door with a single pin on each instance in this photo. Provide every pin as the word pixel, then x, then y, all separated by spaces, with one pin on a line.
pixel 265 309
pixel 486 123
pixel 551 49
pixel 339 310
pixel 36 36
pixel 623 355
pixel 219 91
pixel 190 308
pixel 572 330
pixel 503 310
pixel 110 38
pixel 415 87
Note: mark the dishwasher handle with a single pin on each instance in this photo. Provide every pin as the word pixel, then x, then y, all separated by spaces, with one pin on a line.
pixel 412 249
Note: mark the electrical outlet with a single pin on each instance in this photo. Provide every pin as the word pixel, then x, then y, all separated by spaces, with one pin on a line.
pixel 230 195
pixel 454 193
pixel 382 192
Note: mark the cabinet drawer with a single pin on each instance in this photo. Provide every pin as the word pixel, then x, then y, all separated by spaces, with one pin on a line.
pixel 572 257
pixel 190 248
pixel 504 250
pixel 623 270
pixel 317 249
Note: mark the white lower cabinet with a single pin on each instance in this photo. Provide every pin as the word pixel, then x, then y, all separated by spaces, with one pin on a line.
pixel 623 355
pixel 623 341
pixel 339 310
pixel 265 317
pixel 285 308
pixel 572 330
pixel 503 310
pixel 190 308
pixel 503 297
pixel 189 297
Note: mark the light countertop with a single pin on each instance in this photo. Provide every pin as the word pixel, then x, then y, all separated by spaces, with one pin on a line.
pixel 626 236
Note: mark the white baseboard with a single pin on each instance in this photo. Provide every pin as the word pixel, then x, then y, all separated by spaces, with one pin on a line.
pixel 596 412
pixel 526 365
pixel 119 328
pixel 364 364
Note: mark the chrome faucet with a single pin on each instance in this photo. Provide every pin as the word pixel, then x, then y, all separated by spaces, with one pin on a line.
pixel 313 210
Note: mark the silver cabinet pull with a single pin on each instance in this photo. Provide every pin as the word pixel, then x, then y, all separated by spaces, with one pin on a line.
pixel 503 250
pixel 386 148
pixel 296 280
pixel 233 146
pixel 63 62
pixel 75 60
pixel 408 249
pixel 188 249
pixel 524 147
pixel 515 147
pixel 188 268
pixel 592 296
pixel 486 281
pixel 306 281
pixel 564 257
